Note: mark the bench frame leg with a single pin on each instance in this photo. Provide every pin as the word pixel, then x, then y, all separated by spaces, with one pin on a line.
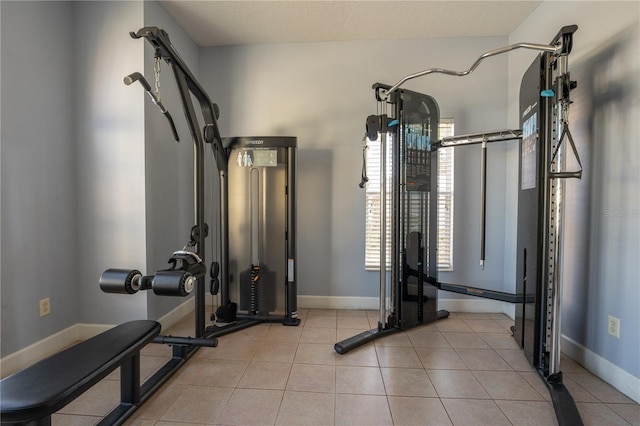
pixel 130 380
pixel 129 392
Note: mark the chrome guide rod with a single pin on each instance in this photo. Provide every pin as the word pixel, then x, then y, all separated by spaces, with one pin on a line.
pixel 383 229
pixel 532 46
pixel 483 196
pixel 396 237
pixel 256 215
pixel 547 138
pixel 557 212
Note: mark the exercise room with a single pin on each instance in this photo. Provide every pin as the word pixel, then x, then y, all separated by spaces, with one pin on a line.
pixel 320 213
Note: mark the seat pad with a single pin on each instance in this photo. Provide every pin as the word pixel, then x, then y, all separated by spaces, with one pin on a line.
pixel 47 386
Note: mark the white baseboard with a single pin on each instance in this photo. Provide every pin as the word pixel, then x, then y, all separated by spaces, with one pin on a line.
pixel 372 303
pixel 610 373
pixel 55 343
pixel 338 302
pixel 48 346
pixel 625 382
pixel 177 314
pixel 474 305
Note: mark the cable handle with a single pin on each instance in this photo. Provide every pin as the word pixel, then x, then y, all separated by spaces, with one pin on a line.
pixel 566 133
pixel 364 178
pixel 136 76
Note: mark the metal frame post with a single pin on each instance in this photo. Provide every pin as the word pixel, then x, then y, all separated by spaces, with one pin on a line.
pixel 383 231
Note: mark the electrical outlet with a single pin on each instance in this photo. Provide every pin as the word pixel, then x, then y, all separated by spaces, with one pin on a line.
pixel 614 326
pixel 45 307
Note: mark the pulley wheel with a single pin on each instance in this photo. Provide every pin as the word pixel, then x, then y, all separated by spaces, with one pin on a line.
pixel 173 283
pixel 122 281
pixel 215 270
pixel 214 286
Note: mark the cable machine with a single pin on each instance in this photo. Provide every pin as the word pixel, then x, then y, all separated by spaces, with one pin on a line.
pixel 262 227
pixel 187 269
pixel 407 122
pixel 187 266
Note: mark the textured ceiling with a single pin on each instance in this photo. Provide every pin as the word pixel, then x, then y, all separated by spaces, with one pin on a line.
pixel 215 23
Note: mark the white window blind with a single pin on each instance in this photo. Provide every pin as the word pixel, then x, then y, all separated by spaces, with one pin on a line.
pixel 445 202
pixel 445 199
pixel 372 204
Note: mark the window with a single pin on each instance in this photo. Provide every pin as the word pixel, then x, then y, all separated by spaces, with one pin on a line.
pixel 445 199
pixel 445 203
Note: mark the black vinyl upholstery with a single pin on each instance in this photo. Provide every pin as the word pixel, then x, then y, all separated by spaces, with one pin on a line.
pixel 47 386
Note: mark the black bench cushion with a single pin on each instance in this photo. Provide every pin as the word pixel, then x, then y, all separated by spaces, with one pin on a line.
pixel 52 383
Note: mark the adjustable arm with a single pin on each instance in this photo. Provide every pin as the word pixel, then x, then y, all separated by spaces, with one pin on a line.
pixel 189 86
pixel 136 76
pixel 159 39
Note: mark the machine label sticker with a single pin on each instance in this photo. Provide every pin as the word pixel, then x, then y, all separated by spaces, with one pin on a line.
pixel 528 110
pixel 418 158
pixel 257 158
pixel 529 155
pixel 244 159
pixel 290 269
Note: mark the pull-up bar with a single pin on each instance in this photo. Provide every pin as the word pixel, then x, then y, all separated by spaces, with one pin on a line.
pixel 478 138
pixel 560 46
pixel 555 50
pixel 474 139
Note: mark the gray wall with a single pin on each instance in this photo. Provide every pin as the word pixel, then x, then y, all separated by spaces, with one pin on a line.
pixel 321 93
pixel 168 165
pixel 85 161
pixel 157 189
pixel 144 179
pixel 602 230
pixel 38 172
pixel 91 177
pixel 110 155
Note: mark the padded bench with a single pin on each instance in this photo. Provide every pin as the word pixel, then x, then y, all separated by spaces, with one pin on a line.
pixel 32 395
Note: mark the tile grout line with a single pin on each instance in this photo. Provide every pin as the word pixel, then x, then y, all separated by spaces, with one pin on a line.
pixel 520 374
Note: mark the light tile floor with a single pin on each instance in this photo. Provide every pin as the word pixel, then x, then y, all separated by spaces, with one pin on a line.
pixel 463 370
